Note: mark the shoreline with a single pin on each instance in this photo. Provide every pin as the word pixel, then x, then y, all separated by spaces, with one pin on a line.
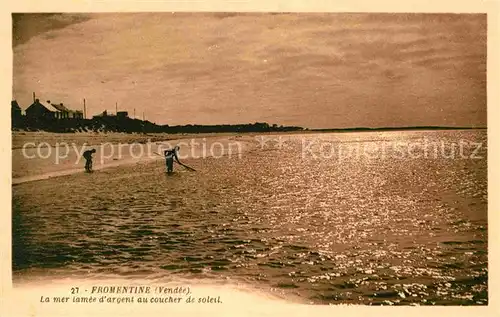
pixel 27 170
pixel 20 138
pixel 41 168
pixel 130 138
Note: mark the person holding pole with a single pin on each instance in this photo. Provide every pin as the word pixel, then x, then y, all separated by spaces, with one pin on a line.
pixel 170 155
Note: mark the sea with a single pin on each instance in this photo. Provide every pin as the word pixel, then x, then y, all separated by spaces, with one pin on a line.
pixel 368 218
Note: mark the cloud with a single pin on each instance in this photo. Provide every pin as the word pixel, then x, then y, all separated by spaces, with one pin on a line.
pixel 314 70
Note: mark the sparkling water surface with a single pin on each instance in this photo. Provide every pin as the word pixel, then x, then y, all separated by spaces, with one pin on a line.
pixel 286 216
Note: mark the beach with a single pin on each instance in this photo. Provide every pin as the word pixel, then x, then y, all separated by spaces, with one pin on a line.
pixel 300 217
pixel 42 155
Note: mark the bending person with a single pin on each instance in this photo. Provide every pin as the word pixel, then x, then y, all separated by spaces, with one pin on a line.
pixel 88 160
pixel 170 155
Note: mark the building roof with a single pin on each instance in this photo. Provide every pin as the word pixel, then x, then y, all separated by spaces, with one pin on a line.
pixel 15 105
pixel 102 114
pixel 60 107
pixel 48 106
pixel 54 108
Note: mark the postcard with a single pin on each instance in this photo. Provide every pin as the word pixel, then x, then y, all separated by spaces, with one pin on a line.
pixel 191 158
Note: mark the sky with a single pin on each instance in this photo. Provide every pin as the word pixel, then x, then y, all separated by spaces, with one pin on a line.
pixel 318 70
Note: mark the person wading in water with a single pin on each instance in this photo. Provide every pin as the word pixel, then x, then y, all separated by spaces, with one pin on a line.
pixel 170 155
pixel 88 160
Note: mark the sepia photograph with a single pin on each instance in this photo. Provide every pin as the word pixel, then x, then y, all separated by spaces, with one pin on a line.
pixel 317 159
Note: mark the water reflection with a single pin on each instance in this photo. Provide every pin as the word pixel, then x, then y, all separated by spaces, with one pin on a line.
pixel 365 230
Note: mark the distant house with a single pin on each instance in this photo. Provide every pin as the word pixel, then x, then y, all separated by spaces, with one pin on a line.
pixel 15 113
pixel 102 114
pixel 122 114
pixel 76 114
pixel 118 115
pixel 67 113
pixel 47 110
pixel 15 109
pixel 62 111
pixel 41 110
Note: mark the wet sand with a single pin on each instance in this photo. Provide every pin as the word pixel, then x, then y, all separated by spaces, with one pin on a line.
pixel 54 155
